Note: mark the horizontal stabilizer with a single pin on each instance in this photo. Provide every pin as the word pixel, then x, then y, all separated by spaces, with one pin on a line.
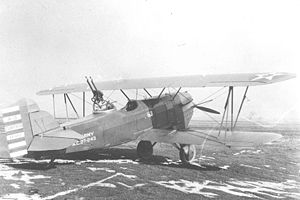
pixel 54 140
pixel 64 134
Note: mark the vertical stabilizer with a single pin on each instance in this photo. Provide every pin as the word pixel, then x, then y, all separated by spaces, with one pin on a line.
pixel 15 131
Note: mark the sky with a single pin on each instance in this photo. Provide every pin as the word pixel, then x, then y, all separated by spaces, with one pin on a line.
pixel 48 43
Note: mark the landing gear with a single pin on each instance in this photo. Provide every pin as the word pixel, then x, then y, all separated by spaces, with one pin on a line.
pixel 145 150
pixel 51 164
pixel 187 153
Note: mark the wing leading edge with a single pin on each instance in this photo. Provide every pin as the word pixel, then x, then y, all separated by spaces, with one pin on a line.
pixel 221 80
pixel 236 139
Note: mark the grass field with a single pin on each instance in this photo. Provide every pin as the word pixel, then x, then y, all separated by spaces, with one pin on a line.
pixel 268 172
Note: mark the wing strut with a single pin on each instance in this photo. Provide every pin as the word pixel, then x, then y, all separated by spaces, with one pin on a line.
pixel 83 104
pixel 231 108
pixel 72 105
pixel 147 92
pixel 230 94
pixel 67 114
pixel 125 95
pixel 161 93
pixel 244 97
pixel 66 96
pixel 176 93
pixel 227 107
pixel 53 102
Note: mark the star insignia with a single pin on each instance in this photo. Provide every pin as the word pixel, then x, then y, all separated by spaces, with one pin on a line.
pixel 268 76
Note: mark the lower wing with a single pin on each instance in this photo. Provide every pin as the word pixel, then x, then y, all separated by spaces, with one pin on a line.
pixel 236 139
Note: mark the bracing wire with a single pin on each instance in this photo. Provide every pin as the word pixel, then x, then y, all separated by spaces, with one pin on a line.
pixel 275 123
pixel 214 94
pixel 80 98
pixel 204 142
pixel 111 93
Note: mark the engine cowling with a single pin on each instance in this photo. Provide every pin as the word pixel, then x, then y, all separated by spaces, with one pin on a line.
pixel 170 111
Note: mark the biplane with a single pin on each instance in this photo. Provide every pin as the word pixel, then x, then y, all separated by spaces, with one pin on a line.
pixel 27 131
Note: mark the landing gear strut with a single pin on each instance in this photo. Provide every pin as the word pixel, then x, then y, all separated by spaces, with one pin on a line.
pixel 187 153
pixel 145 150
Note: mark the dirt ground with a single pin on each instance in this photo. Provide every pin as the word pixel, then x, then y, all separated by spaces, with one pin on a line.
pixel 267 172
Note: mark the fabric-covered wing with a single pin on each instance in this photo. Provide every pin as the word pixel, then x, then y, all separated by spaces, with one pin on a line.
pixel 236 139
pixel 236 80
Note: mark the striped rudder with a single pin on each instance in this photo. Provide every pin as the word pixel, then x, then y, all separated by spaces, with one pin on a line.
pixel 15 130
pixel 25 129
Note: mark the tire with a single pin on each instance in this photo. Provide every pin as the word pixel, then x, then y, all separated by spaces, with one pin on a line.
pixel 187 153
pixel 144 150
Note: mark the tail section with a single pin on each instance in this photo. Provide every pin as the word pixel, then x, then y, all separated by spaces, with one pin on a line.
pixel 25 129
pixel 16 133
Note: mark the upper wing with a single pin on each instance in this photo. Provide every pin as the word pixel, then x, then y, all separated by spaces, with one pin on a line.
pixel 245 79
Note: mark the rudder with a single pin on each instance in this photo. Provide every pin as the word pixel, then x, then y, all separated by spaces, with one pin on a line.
pixel 15 132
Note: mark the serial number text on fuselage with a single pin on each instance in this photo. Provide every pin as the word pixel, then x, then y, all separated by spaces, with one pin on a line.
pixel 88 137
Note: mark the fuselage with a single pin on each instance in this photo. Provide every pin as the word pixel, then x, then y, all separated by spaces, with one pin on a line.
pixel 114 127
pixel 29 130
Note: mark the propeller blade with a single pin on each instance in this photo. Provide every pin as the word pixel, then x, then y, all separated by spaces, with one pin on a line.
pixel 207 109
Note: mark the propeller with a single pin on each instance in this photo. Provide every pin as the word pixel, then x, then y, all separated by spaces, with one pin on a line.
pixel 205 109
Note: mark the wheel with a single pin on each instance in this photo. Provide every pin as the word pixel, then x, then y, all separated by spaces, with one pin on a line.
pixel 144 149
pixel 187 153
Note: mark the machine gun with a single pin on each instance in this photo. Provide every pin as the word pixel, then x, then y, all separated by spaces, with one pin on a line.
pixel 97 99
